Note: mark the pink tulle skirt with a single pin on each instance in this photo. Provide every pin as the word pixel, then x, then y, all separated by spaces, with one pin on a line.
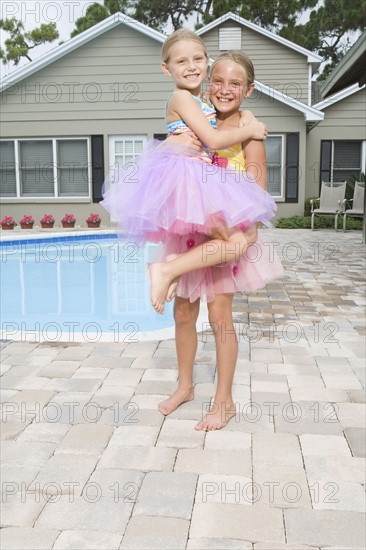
pixel 168 193
pixel 259 265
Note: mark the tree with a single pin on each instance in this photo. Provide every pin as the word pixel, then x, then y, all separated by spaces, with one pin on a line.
pixel 270 14
pixel 20 42
pixel 96 13
pixel 327 31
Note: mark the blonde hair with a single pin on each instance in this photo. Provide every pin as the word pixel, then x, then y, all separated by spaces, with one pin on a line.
pixel 177 36
pixel 240 58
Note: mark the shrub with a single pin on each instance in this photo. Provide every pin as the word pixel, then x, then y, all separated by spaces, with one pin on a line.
pixel 321 222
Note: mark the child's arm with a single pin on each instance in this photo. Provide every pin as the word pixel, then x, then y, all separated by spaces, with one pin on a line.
pixel 255 160
pixel 185 107
pixel 246 117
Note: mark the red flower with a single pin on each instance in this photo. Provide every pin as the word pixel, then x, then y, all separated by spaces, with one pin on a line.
pixel 190 243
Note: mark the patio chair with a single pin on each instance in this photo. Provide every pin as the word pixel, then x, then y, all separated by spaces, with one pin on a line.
pixel 331 201
pixel 358 203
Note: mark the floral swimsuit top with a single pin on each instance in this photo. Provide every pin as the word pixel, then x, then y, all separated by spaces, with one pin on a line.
pixel 179 126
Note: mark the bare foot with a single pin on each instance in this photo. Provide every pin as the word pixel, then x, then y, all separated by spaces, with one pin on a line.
pixel 160 281
pixel 173 285
pixel 217 417
pixel 177 398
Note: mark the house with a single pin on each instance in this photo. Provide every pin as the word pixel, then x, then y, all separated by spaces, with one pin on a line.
pixel 94 101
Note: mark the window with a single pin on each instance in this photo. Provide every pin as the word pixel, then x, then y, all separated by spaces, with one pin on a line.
pixel 122 151
pixel 274 154
pixel 230 38
pixel 44 168
pixel 340 160
pixel 347 160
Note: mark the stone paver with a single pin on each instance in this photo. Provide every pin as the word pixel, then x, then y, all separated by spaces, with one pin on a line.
pixel 26 538
pixel 94 513
pixel 90 463
pixel 87 540
pixel 149 532
pixel 325 527
pixel 237 521
pixel 167 494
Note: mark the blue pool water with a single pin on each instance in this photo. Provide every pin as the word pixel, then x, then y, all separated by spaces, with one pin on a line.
pixel 86 284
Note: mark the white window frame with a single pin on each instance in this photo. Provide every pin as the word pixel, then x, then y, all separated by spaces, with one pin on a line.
pixel 362 160
pixel 281 197
pixel 53 198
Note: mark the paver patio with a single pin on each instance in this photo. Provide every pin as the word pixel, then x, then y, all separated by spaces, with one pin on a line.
pixel 88 462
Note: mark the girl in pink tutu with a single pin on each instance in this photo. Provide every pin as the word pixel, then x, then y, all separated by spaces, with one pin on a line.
pixel 231 80
pixel 176 195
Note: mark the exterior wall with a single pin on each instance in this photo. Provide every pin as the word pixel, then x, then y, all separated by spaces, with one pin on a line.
pixel 275 64
pixel 343 120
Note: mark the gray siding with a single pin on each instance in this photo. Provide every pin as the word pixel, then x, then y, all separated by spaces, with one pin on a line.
pixel 275 64
pixel 115 76
pixel 343 120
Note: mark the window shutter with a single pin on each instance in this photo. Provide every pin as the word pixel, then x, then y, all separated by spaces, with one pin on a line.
pixel 325 161
pixel 292 167
pixel 97 166
pixel 7 169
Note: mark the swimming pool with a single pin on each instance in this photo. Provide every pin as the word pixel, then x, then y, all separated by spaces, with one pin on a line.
pixel 79 288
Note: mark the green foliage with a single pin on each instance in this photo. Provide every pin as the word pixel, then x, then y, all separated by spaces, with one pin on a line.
pixel 307 206
pixel 20 42
pixel 326 31
pixel 271 14
pixel 321 222
pixel 95 13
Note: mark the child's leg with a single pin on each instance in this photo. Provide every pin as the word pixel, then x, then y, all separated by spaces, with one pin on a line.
pixel 185 317
pixel 221 320
pixel 207 254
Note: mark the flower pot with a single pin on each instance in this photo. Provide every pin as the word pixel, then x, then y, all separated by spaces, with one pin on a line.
pixel 71 224
pixel 26 225
pixel 47 225
pixel 93 224
pixel 7 226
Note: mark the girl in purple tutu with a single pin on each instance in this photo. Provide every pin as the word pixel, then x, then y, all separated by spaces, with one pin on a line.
pixel 231 81
pixel 176 195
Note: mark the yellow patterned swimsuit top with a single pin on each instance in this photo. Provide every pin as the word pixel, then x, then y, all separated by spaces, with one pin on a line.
pixel 234 156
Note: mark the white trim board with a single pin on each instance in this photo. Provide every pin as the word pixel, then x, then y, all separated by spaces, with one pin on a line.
pixel 311 113
pixel 338 96
pixel 311 56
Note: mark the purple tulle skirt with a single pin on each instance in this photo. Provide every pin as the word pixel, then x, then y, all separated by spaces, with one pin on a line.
pixel 168 193
pixel 175 200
